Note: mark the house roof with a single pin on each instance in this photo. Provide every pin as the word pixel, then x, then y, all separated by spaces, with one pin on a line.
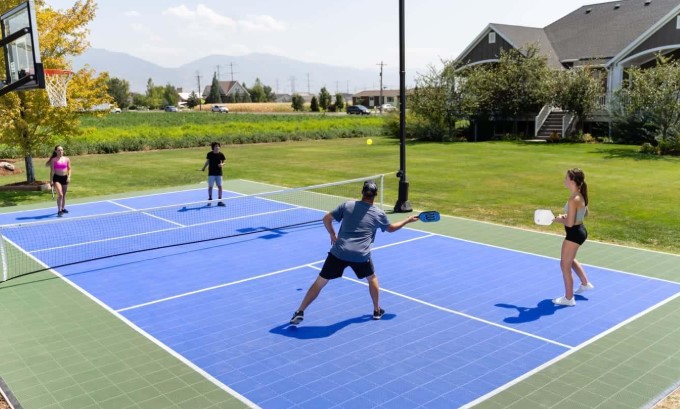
pixel 592 32
pixel 376 92
pixel 605 30
pixel 225 87
pixel 520 36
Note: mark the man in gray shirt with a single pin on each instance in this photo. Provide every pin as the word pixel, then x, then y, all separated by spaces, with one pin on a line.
pixel 352 246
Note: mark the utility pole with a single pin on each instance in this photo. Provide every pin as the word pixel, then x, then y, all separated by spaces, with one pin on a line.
pixel 292 85
pixel 309 85
pixel 231 69
pixel 200 93
pixel 381 102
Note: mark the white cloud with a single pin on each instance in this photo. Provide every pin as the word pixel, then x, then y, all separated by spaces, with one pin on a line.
pixel 209 19
pixel 132 13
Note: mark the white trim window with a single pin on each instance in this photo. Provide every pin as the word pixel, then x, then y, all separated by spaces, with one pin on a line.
pixel 677 23
pixel 492 37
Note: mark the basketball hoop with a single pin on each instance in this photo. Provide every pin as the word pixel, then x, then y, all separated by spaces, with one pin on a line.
pixel 56 82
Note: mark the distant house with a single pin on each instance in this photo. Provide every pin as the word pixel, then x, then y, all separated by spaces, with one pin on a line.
pixel 607 36
pixel 283 98
pixel 371 98
pixel 228 90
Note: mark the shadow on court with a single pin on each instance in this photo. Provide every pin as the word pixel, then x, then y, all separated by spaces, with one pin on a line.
pixel 315 332
pixel 528 314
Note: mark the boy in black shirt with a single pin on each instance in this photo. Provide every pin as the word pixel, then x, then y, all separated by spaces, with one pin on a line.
pixel 214 162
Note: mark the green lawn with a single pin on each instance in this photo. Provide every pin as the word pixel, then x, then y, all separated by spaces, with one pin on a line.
pixel 634 198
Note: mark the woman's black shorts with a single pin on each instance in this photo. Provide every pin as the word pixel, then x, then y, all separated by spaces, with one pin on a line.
pixel 577 233
pixel 333 267
pixel 61 179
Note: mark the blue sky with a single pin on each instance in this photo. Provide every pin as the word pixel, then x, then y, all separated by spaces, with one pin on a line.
pixel 354 33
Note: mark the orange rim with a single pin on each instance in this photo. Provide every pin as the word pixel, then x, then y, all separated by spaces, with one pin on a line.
pixel 50 71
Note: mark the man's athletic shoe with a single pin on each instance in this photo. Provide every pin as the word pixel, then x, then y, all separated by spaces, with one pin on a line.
pixel 297 318
pixel 221 204
pixel 64 211
pixel 377 314
pixel 583 288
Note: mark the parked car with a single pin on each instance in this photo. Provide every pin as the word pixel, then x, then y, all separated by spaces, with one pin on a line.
pixel 115 110
pixel 388 107
pixel 358 110
pixel 171 108
pixel 219 108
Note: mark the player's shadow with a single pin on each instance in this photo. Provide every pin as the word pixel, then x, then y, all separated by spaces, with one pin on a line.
pixel 39 217
pixel 528 314
pixel 315 332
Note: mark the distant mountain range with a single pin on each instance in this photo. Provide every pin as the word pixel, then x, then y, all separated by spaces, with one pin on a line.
pixel 280 73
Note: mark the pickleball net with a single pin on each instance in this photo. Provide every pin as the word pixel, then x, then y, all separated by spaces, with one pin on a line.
pixel 27 248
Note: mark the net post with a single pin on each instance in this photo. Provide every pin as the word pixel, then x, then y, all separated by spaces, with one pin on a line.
pixel 3 258
pixel 382 190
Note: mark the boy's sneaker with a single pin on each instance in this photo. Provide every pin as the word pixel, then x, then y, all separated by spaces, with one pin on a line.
pixel 221 204
pixel 564 301
pixel 377 314
pixel 209 201
pixel 584 288
pixel 297 317
pixel 60 213
pixel 64 211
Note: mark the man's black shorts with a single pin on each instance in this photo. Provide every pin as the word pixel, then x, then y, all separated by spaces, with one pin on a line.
pixel 333 267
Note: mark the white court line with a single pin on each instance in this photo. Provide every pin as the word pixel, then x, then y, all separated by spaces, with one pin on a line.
pixel 148 214
pixel 148 336
pixel 158 231
pixel 203 290
pixel 462 314
pixel 546 257
pixel 246 279
pixel 566 354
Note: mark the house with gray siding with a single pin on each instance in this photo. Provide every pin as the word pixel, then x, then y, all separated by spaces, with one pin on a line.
pixel 609 36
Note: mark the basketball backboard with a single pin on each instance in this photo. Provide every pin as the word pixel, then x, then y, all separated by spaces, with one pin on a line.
pixel 21 49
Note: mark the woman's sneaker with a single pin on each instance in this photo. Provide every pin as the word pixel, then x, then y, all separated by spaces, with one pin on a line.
pixel 584 288
pixel 377 314
pixel 564 301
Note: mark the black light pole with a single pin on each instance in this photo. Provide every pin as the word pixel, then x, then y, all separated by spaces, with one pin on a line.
pixel 402 206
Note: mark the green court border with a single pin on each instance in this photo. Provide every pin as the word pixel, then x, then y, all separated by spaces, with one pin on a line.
pixel 61 349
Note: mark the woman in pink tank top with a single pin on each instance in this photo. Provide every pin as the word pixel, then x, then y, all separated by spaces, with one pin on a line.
pixel 60 176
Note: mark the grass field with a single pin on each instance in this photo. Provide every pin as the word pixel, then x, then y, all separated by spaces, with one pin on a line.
pixel 633 197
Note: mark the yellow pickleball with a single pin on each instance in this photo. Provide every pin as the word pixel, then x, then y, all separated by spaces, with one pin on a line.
pixel 369 141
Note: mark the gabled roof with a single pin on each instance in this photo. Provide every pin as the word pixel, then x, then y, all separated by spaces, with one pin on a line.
pixel 604 30
pixel 592 32
pixel 225 88
pixel 375 92
pixel 520 36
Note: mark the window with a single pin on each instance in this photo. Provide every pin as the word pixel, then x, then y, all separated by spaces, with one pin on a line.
pixel 492 37
pixel 677 22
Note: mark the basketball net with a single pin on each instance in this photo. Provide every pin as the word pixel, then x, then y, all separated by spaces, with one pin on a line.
pixel 56 82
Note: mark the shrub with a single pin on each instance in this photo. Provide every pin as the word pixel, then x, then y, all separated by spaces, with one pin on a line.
pixel 649 149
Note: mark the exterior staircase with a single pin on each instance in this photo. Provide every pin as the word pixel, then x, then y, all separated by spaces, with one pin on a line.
pixel 553 123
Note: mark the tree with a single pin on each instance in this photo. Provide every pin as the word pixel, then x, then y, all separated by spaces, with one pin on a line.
pixel 518 84
pixel 257 93
pixel 28 120
pixel 653 94
pixel 170 95
pixel 576 91
pixel 154 95
pixel 193 100
pixel 119 90
pixel 314 105
pixel 324 98
pixel 269 93
pixel 298 103
pixel 439 101
pixel 339 102
pixel 214 96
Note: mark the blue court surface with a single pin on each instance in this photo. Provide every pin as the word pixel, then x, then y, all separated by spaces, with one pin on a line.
pixel 463 321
